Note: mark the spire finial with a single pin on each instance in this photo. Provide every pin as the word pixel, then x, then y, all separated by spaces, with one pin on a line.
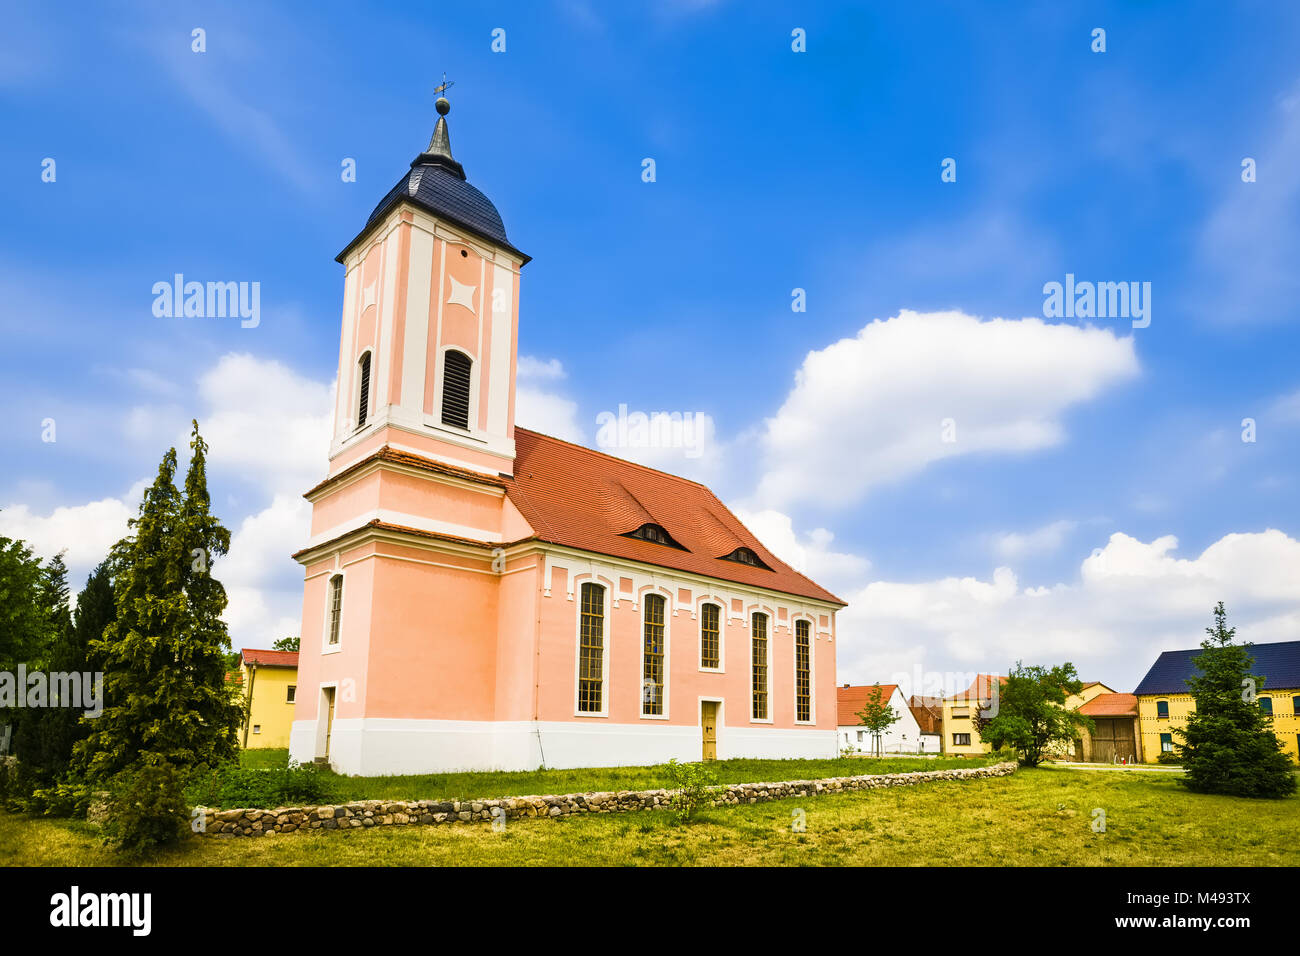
pixel 441 104
pixel 439 151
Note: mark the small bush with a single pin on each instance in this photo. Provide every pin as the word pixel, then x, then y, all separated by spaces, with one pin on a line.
pixel 231 785
pixel 67 798
pixel 147 810
pixel 692 781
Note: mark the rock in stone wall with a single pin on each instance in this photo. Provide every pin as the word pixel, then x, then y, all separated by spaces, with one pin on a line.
pixel 383 813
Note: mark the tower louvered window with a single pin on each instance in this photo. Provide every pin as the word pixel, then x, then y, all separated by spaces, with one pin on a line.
pixel 363 400
pixel 455 388
pixel 591 650
pixel 802 673
pixel 652 668
pixel 710 650
pixel 758 664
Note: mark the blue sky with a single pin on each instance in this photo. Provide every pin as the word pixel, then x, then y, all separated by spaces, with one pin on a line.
pixel 775 170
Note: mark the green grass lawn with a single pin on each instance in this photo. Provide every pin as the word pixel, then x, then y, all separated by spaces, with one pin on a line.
pixel 492 784
pixel 1039 817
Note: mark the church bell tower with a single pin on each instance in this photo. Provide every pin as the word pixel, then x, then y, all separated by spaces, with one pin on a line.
pixel 430 322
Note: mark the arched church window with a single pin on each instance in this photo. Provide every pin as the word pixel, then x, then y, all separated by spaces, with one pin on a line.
pixel 455 388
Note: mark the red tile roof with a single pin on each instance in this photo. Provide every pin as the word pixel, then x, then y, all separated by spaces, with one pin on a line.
pixel 853 699
pixel 269 658
pixel 1111 705
pixel 981 688
pixel 585 499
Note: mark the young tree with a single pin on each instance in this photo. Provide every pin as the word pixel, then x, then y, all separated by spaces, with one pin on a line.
pixel 877 716
pixel 164 655
pixel 1229 744
pixel 286 644
pixel 1031 712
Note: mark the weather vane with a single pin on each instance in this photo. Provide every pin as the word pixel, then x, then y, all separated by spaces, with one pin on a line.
pixel 445 85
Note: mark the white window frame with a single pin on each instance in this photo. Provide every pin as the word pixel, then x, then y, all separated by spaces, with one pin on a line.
pixel 812 670
pixel 722 635
pixel 749 653
pixel 606 633
pixel 669 611
pixel 474 372
pixel 326 646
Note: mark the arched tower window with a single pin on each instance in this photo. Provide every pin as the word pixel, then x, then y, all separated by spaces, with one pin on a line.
pixel 455 388
pixel 363 398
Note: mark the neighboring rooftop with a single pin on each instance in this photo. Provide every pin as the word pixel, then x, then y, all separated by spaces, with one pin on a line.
pixel 981 688
pixel 852 699
pixel 1278 663
pixel 1111 705
pixel 267 658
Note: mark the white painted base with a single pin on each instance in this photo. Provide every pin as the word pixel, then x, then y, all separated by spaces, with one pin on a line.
pixel 372 746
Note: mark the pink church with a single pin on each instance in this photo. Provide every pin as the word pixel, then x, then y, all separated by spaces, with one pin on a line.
pixel 481 596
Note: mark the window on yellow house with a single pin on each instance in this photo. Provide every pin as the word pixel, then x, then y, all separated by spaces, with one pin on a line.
pixel 1295 706
pixel 1162 709
pixel 961 740
pixel 257 728
pixel 1266 706
pixel 288 698
pixel 1167 743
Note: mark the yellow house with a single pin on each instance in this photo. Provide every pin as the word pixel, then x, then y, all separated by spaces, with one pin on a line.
pixel 270 684
pixel 959 734
pixel 1164 701
pixel 1088 692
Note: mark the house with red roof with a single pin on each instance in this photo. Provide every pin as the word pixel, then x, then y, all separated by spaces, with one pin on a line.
pixel 478 595
pixel 269 680
pixel 903 736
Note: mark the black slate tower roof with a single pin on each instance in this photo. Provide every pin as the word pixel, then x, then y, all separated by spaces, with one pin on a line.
pixel 437 183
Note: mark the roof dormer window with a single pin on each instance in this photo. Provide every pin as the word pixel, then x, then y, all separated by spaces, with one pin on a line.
pixel 746 556
pixel 655 534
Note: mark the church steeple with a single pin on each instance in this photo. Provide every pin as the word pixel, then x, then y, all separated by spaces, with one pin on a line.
pixel 439 151
pixel 430 321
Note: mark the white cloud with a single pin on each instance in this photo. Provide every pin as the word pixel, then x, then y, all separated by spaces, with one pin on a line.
pixel 538 407
pixel 263 583
pixel 809 554
pixel 872 409
pixel 530 368
pixel 1011 545
pixel 1132 600
pixel 265 423
pixel 85 532
pixel 1287 408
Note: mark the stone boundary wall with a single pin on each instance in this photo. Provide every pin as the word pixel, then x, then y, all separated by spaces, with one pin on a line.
pixel 382 813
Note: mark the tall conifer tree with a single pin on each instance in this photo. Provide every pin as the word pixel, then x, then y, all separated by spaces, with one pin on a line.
pixel 1228 743
pixel 164 653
